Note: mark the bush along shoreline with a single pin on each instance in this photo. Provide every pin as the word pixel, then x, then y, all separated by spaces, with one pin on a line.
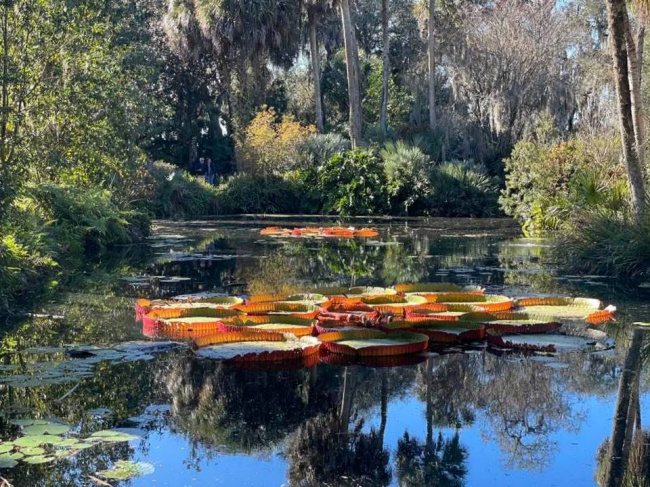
pixel 576 192
pixel 51 231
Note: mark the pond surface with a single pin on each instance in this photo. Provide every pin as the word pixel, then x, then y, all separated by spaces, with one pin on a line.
pixel 461 417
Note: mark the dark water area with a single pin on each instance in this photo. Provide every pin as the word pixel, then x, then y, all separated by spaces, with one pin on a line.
pixel 453 417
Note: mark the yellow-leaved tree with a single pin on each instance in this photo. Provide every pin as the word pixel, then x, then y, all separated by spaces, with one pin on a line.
pixel 270 143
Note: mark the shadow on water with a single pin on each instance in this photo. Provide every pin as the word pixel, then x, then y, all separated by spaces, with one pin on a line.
pixel 451 419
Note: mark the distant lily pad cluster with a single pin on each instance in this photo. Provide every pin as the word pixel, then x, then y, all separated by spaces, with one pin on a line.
pixel 71 364
pixel 43 441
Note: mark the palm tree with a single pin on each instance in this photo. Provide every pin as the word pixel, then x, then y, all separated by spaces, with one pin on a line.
pixel 432 65
pixel 315 10
pixel 383 111
pixel 353 72
pixel 618 23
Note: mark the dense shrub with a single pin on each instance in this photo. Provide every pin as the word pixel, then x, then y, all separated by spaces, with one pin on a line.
pixel 83 220
pixel 406 177
pixel 545 180
pixel 353 183
pixel 317 149
pixel 269 144
pixel 245 193
pixel 177 194
pixel 462 189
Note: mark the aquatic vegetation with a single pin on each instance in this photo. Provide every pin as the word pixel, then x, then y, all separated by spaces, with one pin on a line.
pixel 365 343
pixel 124 470
pixel 316 232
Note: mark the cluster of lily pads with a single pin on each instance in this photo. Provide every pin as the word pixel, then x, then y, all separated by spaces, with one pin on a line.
pixel 370 321
pixel 41 441
pixel 72 363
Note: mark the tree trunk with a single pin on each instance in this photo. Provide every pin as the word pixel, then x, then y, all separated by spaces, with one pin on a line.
pixel 640 40
pixel 429 405
pixel 384 404
pixel 352 64
pixel 617 459
pixel 315 70
pixel 349 386
pixel 432 67
pixel 635 78
pixel 617 19
pixel 383 111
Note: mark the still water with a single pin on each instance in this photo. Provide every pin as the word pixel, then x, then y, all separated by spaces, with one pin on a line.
pixel 461 417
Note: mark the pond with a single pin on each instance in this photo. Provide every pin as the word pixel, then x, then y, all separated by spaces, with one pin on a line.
pixel 454 417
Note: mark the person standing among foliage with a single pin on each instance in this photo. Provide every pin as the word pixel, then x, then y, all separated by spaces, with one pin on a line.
pixel 199 167
pixel 210 173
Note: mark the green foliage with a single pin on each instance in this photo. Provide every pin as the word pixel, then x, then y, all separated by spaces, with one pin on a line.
pixel 317 149
pixel 399 99
pixel 547 181
pixel 353 183
pixel 461 189
pixel 245 193
pixel 177 194
pixel 406 176
pixel 600 242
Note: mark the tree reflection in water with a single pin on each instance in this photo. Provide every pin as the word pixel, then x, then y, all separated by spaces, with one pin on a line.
pixel 624 459
pixel 332 449
pixel 440 462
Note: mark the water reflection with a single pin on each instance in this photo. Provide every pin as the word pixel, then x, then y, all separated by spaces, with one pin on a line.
pixel 441 421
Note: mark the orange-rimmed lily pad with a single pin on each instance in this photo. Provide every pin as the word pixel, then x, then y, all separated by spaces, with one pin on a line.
pixel 373 343
pixel 269 323
pixel 576 309
pixel 441 331
pixel 437 288
pixel 255 346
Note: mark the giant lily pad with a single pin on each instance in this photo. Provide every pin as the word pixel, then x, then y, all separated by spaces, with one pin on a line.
pixel 256 346
pixel 124 470
pixel 32 451
pixel 373 343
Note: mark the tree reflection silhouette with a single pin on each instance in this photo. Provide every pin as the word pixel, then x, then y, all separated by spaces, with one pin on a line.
pixel 439 462
pixel 332 449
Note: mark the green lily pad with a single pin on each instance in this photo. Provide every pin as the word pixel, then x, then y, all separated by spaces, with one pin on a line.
pixel 32 451
pixel 38 459
pixel 6 446
pixel 7 462
pixel 68 442
pixel 16 455
pixel 112 436
pixel 38 440
pixel 28 422
pixel 44 429
pixel 82 446
pixel 124 470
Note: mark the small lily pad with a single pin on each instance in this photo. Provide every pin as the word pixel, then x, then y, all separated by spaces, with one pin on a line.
pixel 46 429
pixel 7 462
pixel 38 459
pixel 68 442
pixel 16 455
pixel 38 440
pixel 6 446
pixel 124 470
pixel 82 446
pixel 32 451
pixel 28 422
pixel 112 436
